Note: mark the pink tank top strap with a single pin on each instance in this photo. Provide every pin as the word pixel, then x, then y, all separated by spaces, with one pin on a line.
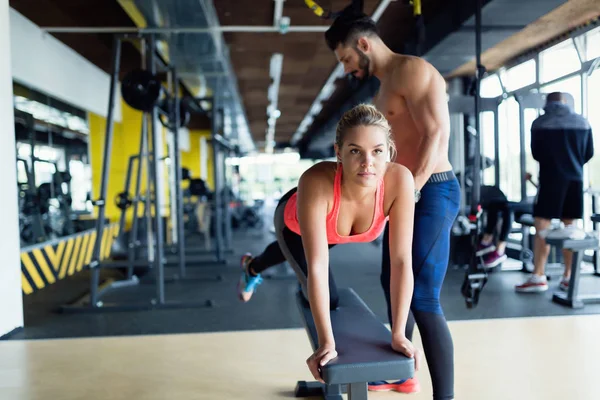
pixel 337 196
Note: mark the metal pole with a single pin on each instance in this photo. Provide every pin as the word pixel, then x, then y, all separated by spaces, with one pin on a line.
pixel 101 202
pixel 136 200
pixel 127 184
pixel 523 159
pixel 226 192
pixel 158 226
pixel 177 163
pixel 150 31
pixel 217 186
pixel 171 165
pixel 475 193
pixel 496 148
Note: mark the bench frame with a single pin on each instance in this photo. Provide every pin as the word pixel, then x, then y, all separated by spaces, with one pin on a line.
pixel 572 298
pixel 336 385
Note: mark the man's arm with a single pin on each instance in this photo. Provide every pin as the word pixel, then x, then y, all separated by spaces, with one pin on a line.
pixel 535 143
pixel 425 96
pixel 589 151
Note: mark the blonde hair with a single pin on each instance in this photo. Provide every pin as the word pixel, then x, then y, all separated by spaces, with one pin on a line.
pixel 364 115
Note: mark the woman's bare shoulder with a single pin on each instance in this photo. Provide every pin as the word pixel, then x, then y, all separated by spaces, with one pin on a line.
pixel 399 184
pixel 398 174
pixel 322 174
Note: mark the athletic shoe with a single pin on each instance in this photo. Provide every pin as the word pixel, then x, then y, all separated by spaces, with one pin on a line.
pixel 493 259
pixel 564 284
pixel 564 232
pixel 534 284
pixel 406 386
pixel 484 249
pixel 247 283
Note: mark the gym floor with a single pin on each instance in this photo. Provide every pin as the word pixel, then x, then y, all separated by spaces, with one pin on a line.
pixel 222 351
pixel 273 306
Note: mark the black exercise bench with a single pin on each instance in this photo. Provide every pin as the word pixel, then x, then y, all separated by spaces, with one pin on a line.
pixel 572 298
pixel 364 350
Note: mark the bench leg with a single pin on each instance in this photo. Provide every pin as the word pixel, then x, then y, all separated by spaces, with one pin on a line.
pixel 317 389
pixel 357 391
pixel 571 298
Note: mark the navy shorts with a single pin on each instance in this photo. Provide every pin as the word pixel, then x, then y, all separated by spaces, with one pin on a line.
pixel 559 199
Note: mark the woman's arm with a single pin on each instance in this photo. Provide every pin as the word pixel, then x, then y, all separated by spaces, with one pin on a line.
pixel 401 220
pixel 312 215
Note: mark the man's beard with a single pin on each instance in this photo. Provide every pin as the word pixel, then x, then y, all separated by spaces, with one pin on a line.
pixel 363 64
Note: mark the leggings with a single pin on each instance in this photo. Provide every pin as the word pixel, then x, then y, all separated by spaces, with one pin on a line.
pixel 288 247
pixel 493 210
pixel 434 215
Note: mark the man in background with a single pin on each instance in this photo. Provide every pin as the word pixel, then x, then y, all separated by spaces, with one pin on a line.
pixel 562 143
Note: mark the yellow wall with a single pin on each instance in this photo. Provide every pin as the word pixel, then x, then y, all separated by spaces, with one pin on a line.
pixel 191 158
pixel 126 142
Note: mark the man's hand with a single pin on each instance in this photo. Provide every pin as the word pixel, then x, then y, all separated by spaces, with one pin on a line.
pixel 402 345
pixel 320 357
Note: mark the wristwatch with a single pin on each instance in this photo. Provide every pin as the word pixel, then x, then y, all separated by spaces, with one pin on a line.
pixel 417 195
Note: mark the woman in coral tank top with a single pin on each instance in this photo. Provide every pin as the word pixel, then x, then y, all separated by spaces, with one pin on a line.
pixel 347 201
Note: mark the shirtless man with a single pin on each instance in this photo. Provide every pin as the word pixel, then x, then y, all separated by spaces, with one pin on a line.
pixel 412 96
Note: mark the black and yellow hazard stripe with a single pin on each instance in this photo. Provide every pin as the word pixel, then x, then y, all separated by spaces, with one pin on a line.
pixel 45 263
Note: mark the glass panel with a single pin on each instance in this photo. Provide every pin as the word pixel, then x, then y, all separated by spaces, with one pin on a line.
pixel 558 60
pixel 518 76
pixel 509 139
pixel 488 147
pixel 531 165
pixel 490 86
pixel 593 102
pixel 589 44
pixel 571 85
pixel 81 185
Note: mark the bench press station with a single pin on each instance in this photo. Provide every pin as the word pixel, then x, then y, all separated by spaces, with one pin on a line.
pixel 364 350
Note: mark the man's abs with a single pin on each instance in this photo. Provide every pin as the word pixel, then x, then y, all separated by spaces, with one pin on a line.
pixel 408 143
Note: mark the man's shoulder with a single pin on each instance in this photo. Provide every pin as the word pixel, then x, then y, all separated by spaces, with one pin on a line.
pixel 410 64
pixel 565 121
pixel 416 70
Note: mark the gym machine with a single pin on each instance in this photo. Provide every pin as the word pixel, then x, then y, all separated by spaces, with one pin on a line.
pixel 475 277
pixel 141 89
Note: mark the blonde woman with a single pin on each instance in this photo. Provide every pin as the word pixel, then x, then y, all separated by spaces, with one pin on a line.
pixel 347 201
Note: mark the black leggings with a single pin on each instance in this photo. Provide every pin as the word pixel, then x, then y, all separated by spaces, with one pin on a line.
pixel 495 209
pixel 288 247
pixel 434 214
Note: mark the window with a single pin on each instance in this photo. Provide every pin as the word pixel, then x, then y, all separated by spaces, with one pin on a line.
pixel 47 159
pixel 570 85
pixel 519 76
pixel 510 149
pixel 490 86
pixel 593 102
pixel 589 44
pixel 558 60
pixel 81 185
pixel 488 146
pixel 531 166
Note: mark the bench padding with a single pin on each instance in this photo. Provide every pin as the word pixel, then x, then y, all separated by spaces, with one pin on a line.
pixel 363 343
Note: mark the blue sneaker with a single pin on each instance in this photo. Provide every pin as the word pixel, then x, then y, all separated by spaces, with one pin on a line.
pixel 247 283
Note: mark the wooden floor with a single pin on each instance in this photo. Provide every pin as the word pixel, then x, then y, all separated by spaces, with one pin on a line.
pixel 527 358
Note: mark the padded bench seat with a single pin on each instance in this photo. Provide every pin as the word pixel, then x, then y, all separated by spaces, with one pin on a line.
pixel 363 345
